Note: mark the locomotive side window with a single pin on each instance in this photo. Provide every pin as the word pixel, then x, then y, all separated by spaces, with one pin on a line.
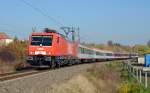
pixel 41 40
pixel 57 39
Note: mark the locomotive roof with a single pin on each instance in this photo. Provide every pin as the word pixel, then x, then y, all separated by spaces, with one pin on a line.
pixel 48 32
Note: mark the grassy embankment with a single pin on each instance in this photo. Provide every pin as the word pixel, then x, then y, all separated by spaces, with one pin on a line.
pixel 102 78
pixel 130 85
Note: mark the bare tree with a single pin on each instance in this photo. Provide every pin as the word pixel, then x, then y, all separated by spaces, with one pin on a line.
pixel 15 38
pixel 148 43
pixel 110 43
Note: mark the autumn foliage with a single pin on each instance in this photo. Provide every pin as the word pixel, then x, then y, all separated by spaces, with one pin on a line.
pixel 12 56
pixel 18 48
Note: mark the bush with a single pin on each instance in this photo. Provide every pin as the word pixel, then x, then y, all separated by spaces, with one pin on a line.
pixel 18 48
pixel 132 87
pixel 12 56
pixel 7 55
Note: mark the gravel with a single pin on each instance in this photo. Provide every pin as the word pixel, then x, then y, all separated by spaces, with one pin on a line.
pixel 41 83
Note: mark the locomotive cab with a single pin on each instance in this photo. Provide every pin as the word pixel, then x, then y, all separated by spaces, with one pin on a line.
pixel 40 48
pixel 46 47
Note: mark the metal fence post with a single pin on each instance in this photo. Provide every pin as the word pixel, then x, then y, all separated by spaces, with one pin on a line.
pixel 145 79
pixel 137 74
pixel 133 72
pixel 127 67
pixel 140 76
pixel 130 69
pixel 124 65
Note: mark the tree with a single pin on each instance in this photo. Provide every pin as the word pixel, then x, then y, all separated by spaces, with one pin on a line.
pixel 117 44
pixel 15 38
pixel 148 43
pixel 110 43
pixel 142 49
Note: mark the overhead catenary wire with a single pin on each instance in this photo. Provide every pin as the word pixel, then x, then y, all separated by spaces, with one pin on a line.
pixel 39 10
pixel 42 12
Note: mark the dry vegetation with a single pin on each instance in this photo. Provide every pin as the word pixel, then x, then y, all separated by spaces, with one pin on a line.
pixel 12 56
pixel 101 78
pixel 98 79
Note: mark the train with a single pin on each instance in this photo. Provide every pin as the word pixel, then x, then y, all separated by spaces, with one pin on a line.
pixel 52 49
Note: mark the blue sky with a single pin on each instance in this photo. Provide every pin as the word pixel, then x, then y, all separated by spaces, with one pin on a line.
pixel 123 21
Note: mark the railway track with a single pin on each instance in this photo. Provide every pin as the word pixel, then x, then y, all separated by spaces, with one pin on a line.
pixel 15 75
pixel 24 73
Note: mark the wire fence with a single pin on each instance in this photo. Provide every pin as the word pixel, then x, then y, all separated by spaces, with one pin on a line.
pixel 141 74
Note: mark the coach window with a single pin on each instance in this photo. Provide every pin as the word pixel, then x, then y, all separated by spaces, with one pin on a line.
pixel 83 50
pixel 57 39
pixel 108 54
pixel 79 49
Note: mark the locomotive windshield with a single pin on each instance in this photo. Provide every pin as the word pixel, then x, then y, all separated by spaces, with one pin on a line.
pixel 41 40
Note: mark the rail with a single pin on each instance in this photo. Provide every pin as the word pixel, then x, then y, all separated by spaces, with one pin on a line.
pixel 19 75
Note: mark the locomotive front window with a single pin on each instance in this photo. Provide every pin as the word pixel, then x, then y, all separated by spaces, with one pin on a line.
pixel 41 40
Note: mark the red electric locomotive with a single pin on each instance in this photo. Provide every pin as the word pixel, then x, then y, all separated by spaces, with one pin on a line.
pixel 50 48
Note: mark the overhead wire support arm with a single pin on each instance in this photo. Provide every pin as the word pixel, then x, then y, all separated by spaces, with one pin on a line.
pixel 71 30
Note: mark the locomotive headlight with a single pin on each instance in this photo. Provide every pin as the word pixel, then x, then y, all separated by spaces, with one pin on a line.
pixel 31 53
pixel 48 53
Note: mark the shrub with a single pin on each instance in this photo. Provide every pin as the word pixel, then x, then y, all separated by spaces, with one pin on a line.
pixel 18 48
pixel 6 55
pixel 12 56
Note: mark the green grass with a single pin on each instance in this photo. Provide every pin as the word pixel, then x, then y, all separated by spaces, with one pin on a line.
pixel 130 85
pixel 113 73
